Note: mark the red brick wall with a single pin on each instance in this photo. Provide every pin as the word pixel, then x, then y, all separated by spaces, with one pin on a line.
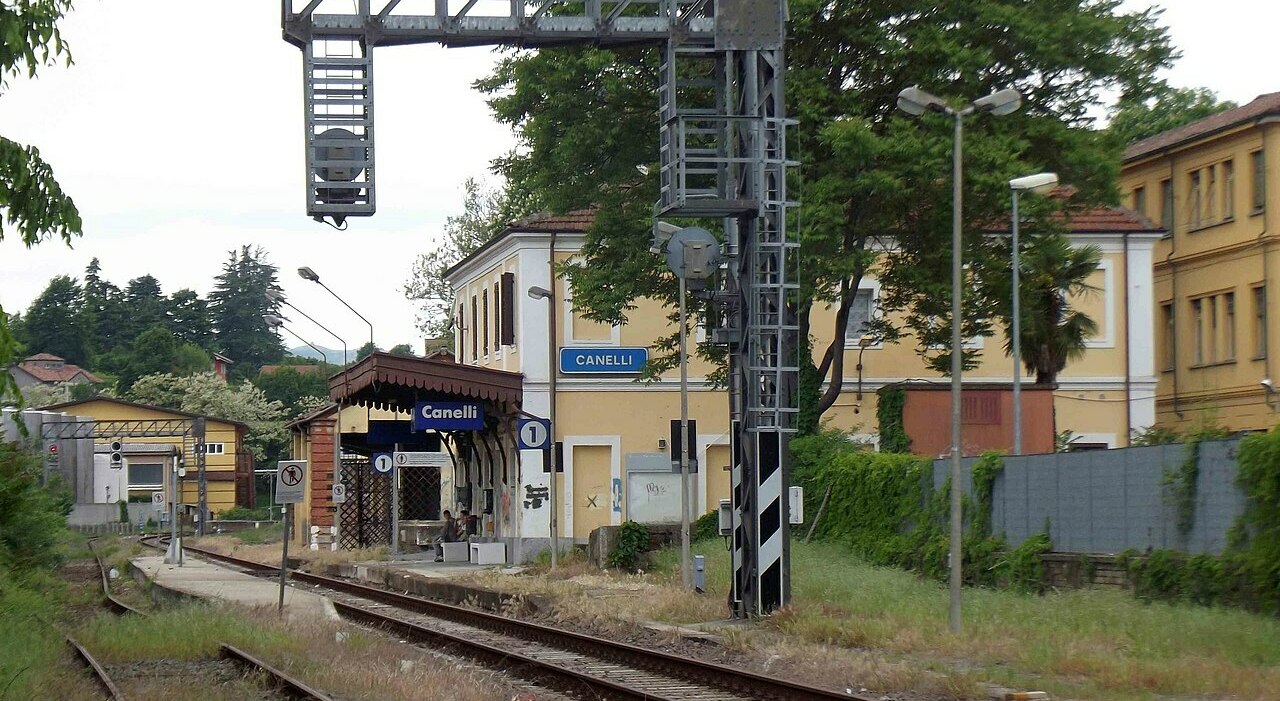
pixel 322 508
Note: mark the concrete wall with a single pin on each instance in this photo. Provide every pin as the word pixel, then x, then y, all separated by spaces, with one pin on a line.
pixel 1107 501
pixel 96 514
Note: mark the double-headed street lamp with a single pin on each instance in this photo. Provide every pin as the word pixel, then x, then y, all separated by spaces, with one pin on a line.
pixel 277 322
pixel 308 274
pixel 278 297
pixel 1035 184
pixel 915 101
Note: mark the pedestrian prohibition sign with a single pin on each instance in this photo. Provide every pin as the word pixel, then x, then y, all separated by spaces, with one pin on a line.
pixel 290 476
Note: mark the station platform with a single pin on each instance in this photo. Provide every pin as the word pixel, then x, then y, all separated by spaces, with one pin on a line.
pixel 205 580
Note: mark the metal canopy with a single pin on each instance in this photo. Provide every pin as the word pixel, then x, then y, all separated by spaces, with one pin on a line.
pixel 395 382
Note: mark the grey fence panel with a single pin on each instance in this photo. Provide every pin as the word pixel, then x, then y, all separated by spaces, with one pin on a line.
pixel 1110 501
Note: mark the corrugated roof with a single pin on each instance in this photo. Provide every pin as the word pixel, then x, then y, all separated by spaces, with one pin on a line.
pixel 152 407
pixel 1261 106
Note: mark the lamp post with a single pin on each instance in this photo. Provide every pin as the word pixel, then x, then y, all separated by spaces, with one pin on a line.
pixel 536 292
pixel 916 102
pixel 1038 184
pixel 279 298
pixel 693 255
pixel 277 322
pixel 308 274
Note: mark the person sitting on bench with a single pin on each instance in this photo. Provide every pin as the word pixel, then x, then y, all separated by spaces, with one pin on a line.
pixel 449 535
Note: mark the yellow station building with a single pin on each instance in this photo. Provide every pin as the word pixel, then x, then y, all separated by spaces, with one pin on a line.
pixel 148 462
pixel 615 430
pixel 1206 183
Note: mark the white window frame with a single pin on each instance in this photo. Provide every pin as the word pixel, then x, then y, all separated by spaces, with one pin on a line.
pixel 615 333
pixel 210 449
pixel 1108 337
pixel 851 342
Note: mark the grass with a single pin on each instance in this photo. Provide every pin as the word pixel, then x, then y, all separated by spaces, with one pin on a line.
pixel 263 545
pixel 1075 644
pixel 347 662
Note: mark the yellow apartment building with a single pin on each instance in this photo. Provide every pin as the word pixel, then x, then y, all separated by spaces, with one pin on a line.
pixel 148 461
pixel 615 430
pixel 1206 183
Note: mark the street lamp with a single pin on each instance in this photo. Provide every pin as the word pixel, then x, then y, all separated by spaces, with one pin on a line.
pixel 915 101
pixel 277 322
pixel 536 292
pixel 278 297
pixel 1039 183
pixel 308 274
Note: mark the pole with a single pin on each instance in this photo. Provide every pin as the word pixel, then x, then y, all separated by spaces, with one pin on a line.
pixel 1017 338
pixel 395 505
pixel 953 611
pixel 551 413
pixel 686 576
pixel 284 552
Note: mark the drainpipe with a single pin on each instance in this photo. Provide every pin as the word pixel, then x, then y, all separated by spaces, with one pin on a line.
pixel 1173 277
pixel 1128 342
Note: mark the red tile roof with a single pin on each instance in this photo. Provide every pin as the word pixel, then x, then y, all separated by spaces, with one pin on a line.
pixel 34 366
pixel 1261 106
pixel 577 221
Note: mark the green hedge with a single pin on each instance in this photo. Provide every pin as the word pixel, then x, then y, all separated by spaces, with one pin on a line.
pixel 883 507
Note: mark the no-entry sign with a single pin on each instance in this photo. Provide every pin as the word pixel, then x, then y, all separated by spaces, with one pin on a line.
pixel 291 475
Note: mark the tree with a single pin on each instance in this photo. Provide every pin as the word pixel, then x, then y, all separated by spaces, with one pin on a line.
pixel 208 395
pixel 366 350
pixel 54 323
pixel 586 120
pixel 1167 108
pixel 153 353
pixel 482 218
pixel 189 318
pixel 103 312
pixel 1052 332
pixel 293 388
pixel 145 306
pixel 403 349
pixel 237 305
pixel 32 203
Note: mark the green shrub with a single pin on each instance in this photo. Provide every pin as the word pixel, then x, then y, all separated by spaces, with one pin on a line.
pixel 32 517
pixel 889 408
pixel 240 513
pixel 707 526
pixel 629 549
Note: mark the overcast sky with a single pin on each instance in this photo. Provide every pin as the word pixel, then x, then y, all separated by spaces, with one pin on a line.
pixel 179 134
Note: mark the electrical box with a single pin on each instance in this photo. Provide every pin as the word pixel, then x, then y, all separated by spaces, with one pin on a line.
pixel 486 502
pixel 796 502
pixel 726 517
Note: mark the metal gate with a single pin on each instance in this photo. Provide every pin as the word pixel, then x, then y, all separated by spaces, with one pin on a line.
pixel 420 494
pixel 364 519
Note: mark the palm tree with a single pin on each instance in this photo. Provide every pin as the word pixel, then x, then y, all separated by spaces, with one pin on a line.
pixel 1053 333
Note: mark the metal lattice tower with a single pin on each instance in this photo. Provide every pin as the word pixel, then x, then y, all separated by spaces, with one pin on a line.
pixel 723 155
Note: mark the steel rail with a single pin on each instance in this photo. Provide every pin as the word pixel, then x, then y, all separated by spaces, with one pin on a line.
pixel 565 678
pixel 99 673
pixel 281 680
pixel 681 667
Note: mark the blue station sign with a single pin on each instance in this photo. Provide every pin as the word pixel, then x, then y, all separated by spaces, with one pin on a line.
pixel 448 416
pixel 603 360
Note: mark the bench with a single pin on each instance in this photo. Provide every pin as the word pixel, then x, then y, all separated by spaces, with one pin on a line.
pixel 488 553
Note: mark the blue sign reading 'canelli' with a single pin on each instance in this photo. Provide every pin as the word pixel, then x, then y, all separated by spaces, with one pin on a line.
pixel 448 416
pixel 603 360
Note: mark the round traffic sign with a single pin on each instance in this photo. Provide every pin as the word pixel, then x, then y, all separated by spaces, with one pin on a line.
pixel 291 476
pixel 339 492
pixel 533 434
pixel 382 463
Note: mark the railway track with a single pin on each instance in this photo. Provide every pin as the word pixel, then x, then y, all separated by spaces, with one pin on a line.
pixel 571 661
pixel 283 682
